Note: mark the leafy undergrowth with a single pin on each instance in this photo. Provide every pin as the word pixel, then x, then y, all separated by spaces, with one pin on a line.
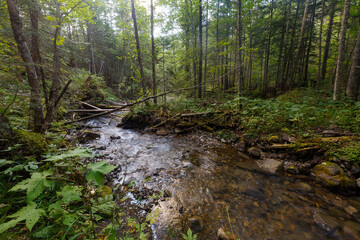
pixel 61 197
pixel 296 112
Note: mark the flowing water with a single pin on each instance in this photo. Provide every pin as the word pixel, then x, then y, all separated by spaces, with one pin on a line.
pixel 214 187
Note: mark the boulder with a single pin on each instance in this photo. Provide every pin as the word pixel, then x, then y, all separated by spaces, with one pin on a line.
pixel 254 152
pixel 269 165
pixel 88 136
pixel 332 175
pixel 162 132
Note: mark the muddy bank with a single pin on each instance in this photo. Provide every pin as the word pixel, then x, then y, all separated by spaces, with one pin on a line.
pixel 282 152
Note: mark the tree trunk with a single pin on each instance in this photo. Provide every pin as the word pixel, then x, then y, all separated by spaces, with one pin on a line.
pixel 339 64
pixel 200 51
pixel 327 45
pixel 300 45
pixel 153 53
pixel 35 96
pixel 281 47
pixel 138 49
pixel 206 46
pixel 267 56
pixel 320 41
pixel 306 80
pixel 239 35
pixel 218 50
pixel 352 89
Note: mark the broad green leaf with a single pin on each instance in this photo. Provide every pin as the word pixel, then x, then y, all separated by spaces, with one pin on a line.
pixel 70 194
pixel 29 213
pixel 77 152
pixel 35 185
pixel 97 170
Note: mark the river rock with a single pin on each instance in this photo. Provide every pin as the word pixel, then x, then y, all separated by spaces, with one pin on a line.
pixel 222 235
pixel 270 165
pixel 303 187
pixel 352 229
pixel 88 136
pixel 162 132
pixel 286 138
pixel 332 175
pixel 255 152
pixel 326 222
pixel 196 224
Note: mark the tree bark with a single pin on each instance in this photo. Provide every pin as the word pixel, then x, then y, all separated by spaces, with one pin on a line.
pixel 305 81
pixel 320 41
pixel 327 44
pixel 267 54
pixel 341 53
pixel 206 46
pixel 200 51
pixel 239 36
pixel 35 96
pixel 300 45
pixel 281 47
pixel 218 50
pixel 153 53
pixel 352 89
pixel 138 49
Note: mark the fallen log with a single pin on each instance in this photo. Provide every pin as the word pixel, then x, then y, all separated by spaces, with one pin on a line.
pixel 166 121
pixel 89 110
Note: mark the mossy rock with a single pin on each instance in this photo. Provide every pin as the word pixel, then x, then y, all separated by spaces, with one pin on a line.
pixel 332 175
pixel 33 144
pixel 274 139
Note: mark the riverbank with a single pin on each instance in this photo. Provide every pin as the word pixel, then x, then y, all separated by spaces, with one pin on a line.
pixel 295 133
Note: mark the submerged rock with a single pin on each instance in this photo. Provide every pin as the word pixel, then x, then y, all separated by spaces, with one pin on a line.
pixel 326 222
pixel 332 175
pixel 352 229
pixel 196 224
pixel 270 165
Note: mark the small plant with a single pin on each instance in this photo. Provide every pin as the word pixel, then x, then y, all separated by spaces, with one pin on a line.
pixel 190 235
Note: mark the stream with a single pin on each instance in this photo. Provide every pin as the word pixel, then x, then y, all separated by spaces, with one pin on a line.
pixel 210 186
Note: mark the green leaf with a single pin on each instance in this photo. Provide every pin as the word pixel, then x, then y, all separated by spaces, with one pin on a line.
pixel 35 185
pixel 77 152
pixel 70 194
pixel 97 170
pixel 30 214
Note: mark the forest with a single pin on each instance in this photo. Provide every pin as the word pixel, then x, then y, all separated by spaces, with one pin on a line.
pixel 276 81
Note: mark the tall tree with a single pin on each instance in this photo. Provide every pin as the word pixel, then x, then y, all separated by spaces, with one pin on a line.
pixel 153 52
pixel 239 41
pixel 327 44
pixel 267 53
pixel 300 45
pixel 320 40
pixel 352 89
pixel 138 49
pixel 341 53
pixel 35 96
pixel 200 51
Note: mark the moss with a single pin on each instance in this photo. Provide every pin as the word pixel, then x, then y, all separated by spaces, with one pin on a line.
pixel 332 175
pixel 33 144
pixel 273 139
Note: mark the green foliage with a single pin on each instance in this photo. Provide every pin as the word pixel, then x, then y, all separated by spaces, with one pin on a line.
pixel 349 152
pixel 32 143
pixel 97 170
pixel 190 235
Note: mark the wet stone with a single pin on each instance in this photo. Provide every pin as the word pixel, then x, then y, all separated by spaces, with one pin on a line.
pixel 195 223
pixel 88 136
pixel 331 175
pixel 223 235
pixel 270 165
pixel 352 229
pixel 255 152
pixel 303 187
pixel 326 222
pixel 162 132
